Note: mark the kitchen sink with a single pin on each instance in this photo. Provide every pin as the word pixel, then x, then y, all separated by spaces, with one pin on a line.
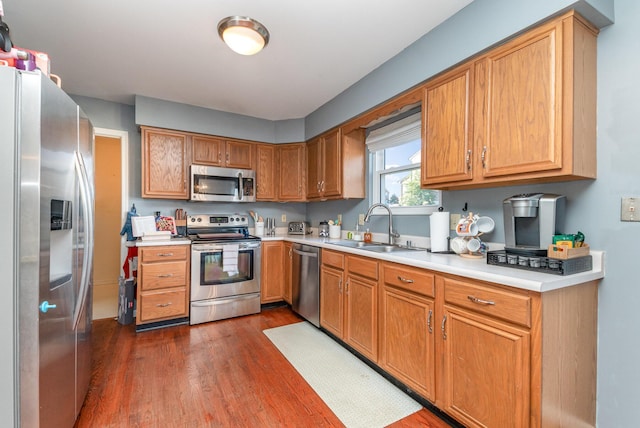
pixel 377 247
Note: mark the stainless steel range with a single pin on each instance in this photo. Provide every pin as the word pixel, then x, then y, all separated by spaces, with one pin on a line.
pixel 225 267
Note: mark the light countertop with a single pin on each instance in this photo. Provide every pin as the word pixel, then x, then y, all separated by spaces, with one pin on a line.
pixel 470 268
pixel 158 242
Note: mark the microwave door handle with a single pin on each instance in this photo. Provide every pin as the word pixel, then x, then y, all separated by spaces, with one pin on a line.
pixel 240 187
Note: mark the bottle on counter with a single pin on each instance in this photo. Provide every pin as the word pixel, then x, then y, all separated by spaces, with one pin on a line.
pixel 367 236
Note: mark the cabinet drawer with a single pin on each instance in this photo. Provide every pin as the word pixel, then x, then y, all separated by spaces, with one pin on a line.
pixel 333 258
pixel 407 278
pixel 164 253
pixel 170 304
pixel 163 275
pixel 363 266
pixel 496 302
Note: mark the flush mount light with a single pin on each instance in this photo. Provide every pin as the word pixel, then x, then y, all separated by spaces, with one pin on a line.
pixel 243 35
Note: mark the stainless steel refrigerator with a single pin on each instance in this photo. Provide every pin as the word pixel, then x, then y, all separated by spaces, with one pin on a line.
pixel 46 191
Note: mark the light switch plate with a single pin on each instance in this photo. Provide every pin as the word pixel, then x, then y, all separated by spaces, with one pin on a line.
pixel 284 218
pixel 630 209
pixel 453 221
pixel 361 219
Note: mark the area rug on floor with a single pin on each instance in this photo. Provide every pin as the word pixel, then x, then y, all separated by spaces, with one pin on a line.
pixel 358 395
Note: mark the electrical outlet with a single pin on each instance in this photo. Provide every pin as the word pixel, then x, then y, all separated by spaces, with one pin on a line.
pixel 453 221
pixel 630 209
pixel 361 219
pixel 339 218
pixel 284 218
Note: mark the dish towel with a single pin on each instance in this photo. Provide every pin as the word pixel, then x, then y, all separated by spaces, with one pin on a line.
pixel 230 259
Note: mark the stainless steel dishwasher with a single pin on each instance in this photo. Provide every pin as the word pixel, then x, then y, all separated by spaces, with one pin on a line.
pixel 305 289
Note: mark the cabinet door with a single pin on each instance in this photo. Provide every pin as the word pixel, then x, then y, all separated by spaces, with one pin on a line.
pixel 272 272
pixel 486 370
pixel 361 314
pixel 292 166
pixel 239 154
pixel 314 169
pixel 407 339
pixel 331 182
pixel 288 265
pixel 266 172
pixel 207 150
pixel 331 302
pixel 447 143
pixel 520 90
pixel 165 168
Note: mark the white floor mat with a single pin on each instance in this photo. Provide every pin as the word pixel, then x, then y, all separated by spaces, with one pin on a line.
pixel 358 395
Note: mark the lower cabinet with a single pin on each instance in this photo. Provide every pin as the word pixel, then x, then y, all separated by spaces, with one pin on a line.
pixel 163 283
pixel 288 271
pixel 349 302
pixel 272 271
pixel 407 324
pixel 486 354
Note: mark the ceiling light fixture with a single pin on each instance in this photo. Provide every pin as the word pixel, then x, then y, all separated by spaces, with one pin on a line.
pixel 243 35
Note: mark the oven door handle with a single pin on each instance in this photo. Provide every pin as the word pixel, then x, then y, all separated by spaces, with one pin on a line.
pixel 205 303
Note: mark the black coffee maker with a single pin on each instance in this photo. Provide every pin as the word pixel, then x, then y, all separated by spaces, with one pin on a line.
pixel 531 220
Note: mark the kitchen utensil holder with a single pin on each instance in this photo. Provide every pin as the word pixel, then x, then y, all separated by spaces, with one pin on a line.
pixel 544 264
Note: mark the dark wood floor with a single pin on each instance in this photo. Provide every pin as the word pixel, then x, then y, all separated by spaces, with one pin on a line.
pixel 221 374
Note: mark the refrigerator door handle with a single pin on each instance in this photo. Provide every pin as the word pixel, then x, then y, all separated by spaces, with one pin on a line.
pixel 85 195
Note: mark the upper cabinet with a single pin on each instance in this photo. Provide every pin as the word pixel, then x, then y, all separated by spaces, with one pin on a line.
pixel 222 152
pixel 266 172
pixel 523 112
pixel 165 164
pixel 292 172
pixel 334 159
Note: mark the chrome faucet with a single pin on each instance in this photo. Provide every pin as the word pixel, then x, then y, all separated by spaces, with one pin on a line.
pixel 392 234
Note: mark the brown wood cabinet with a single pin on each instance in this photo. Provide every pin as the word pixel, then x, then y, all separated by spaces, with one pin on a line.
pixel 523 112
pixel 228 153
pixel 288 271
pixel 407 325
pixel 165 164
pixel 349 301
pixel 291 177
pixel 266 172
pixel 163 283
pixel 333 160
pixel 486 354
pixel 272 271
pixel 486 360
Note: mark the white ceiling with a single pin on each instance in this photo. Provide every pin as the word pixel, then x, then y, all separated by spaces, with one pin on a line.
pixel 115 49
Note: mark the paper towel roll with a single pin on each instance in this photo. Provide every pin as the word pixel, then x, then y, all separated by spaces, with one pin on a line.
pixel 439 230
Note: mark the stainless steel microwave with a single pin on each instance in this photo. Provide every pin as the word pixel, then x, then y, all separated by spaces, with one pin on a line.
pixel 216 184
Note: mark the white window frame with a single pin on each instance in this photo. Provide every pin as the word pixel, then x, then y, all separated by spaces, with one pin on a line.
pixel 392 135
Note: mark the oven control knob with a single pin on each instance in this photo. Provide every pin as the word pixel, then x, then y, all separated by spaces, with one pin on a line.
pixel 232 219
pixel 199 220
pixel 193 219
pixel 237 218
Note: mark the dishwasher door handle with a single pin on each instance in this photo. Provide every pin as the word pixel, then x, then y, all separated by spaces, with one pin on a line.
pixel 305 253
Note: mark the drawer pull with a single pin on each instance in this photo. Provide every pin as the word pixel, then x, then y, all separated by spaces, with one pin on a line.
pixel 405 280
pixel 480 301
pixel 429 321
pixel 163 305
pixel 166 275
pixel 165 254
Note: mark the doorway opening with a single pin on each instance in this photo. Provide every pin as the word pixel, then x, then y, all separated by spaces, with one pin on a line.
pixel 111 199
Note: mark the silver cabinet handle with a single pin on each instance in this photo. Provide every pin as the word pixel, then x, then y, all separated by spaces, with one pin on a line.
pixel 405 280
pixel 340 285
pixel 480 301
pixel 164 305
pixel 483 157
pixel 429 321
pixel 165 255
pixel 444 332
pixel 166 275
pixel 468 160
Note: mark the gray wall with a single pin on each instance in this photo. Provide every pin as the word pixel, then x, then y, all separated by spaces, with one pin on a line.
pixel 593 206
